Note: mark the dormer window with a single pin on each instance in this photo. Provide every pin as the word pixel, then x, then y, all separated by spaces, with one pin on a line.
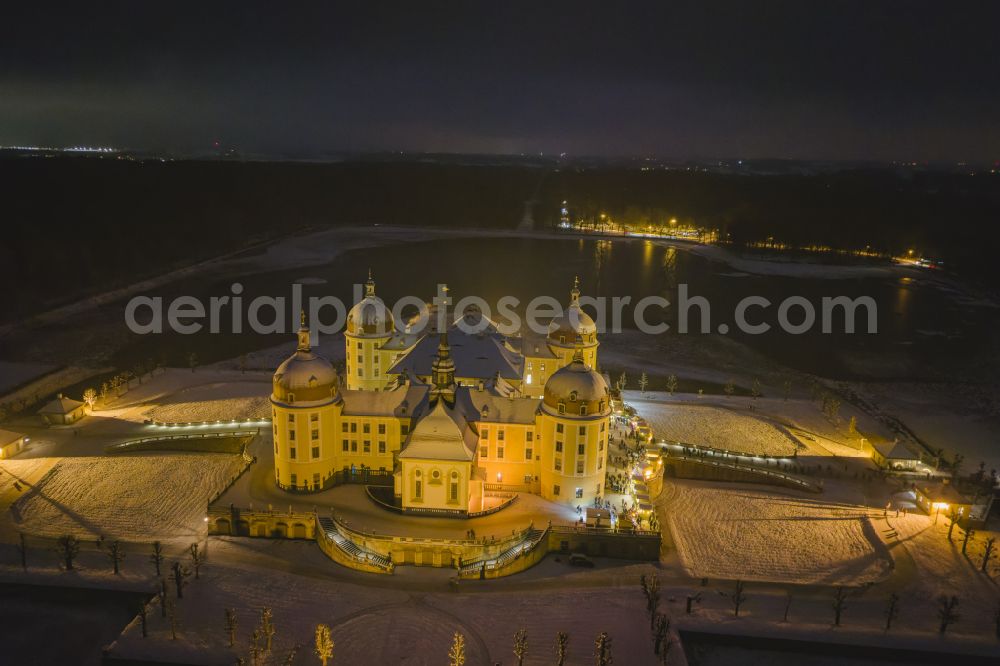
pixel 562 407
pixel 583 410
pixel 572 396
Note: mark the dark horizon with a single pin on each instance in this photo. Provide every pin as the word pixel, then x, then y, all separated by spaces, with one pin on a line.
pixel 851 82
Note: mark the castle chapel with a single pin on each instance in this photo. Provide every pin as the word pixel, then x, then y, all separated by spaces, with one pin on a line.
pixel 451 415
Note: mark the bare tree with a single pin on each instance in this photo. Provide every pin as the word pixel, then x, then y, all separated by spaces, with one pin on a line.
pixel 243 363
pixel 90 397
pixel 737 597
pixel 157 557
pixel 891 610
pixel 651 590
pixel 172 616
pixel 116 553
pixel 232 622
pixel 839 605
pixel 180 574
pixel 755 388
pixel 602 650
pixel 324 644
pixel 142 617
pixel 162 596
pixel 68 547
pixel 643 382
pixel 947 612
pixel 969 532
pixel 987 553
pixel 660 633
pixel 22 550
pixel 456 655
pixel 562 639
pixel 729 388
pixel 256 647
pixel 953 518
pixel 192 360
pixel 520 645
pixel 267 627
pixel 197 559
pixel 671 384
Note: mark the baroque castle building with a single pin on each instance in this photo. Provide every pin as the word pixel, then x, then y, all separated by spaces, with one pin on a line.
pixel 451 415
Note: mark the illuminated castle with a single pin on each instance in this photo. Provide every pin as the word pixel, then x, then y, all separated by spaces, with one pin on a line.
pixel 450 414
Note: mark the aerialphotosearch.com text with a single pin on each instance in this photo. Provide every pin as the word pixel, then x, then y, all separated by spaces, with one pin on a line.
pixel 326 315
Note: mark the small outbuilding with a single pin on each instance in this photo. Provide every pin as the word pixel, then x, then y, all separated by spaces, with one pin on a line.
pixel 63 411
pixel 942 497
pixel 895 456
pixel 11 443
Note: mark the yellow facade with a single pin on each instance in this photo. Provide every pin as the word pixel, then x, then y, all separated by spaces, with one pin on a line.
pixel 574 457
pixel 508 453
pixel 366 362
pixel 435 485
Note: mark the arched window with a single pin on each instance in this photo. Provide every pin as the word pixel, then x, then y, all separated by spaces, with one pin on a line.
pixel 562 407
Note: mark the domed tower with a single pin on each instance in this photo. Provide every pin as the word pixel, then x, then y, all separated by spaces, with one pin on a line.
pixel 573 330
pixel 369 326
pixel 573 426
pixel 305 407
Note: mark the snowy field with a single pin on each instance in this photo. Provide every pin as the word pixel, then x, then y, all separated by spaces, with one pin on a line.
pixel 24 469
pixel 134 498
pixel 734 532
pixel 715 427
pixel 212 402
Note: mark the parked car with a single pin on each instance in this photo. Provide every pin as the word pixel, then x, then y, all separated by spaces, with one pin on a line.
pixel 580 560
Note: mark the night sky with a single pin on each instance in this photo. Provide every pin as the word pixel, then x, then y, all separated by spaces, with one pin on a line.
pixel 866 80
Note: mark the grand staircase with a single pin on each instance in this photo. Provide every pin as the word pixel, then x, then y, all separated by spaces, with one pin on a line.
pixel 333 535
pixel 531 539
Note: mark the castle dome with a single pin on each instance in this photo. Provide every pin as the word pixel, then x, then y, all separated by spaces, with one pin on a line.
pixel 305 376
pixel 369 316
pixel 573 327
pixel 578 389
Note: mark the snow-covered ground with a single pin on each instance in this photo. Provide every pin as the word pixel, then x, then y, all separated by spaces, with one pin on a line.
pixel 373 621
pixel 181 391
pixel 215 401
pixel 714 426
pixel 14 470
pixel 134 498
pixel 736 532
